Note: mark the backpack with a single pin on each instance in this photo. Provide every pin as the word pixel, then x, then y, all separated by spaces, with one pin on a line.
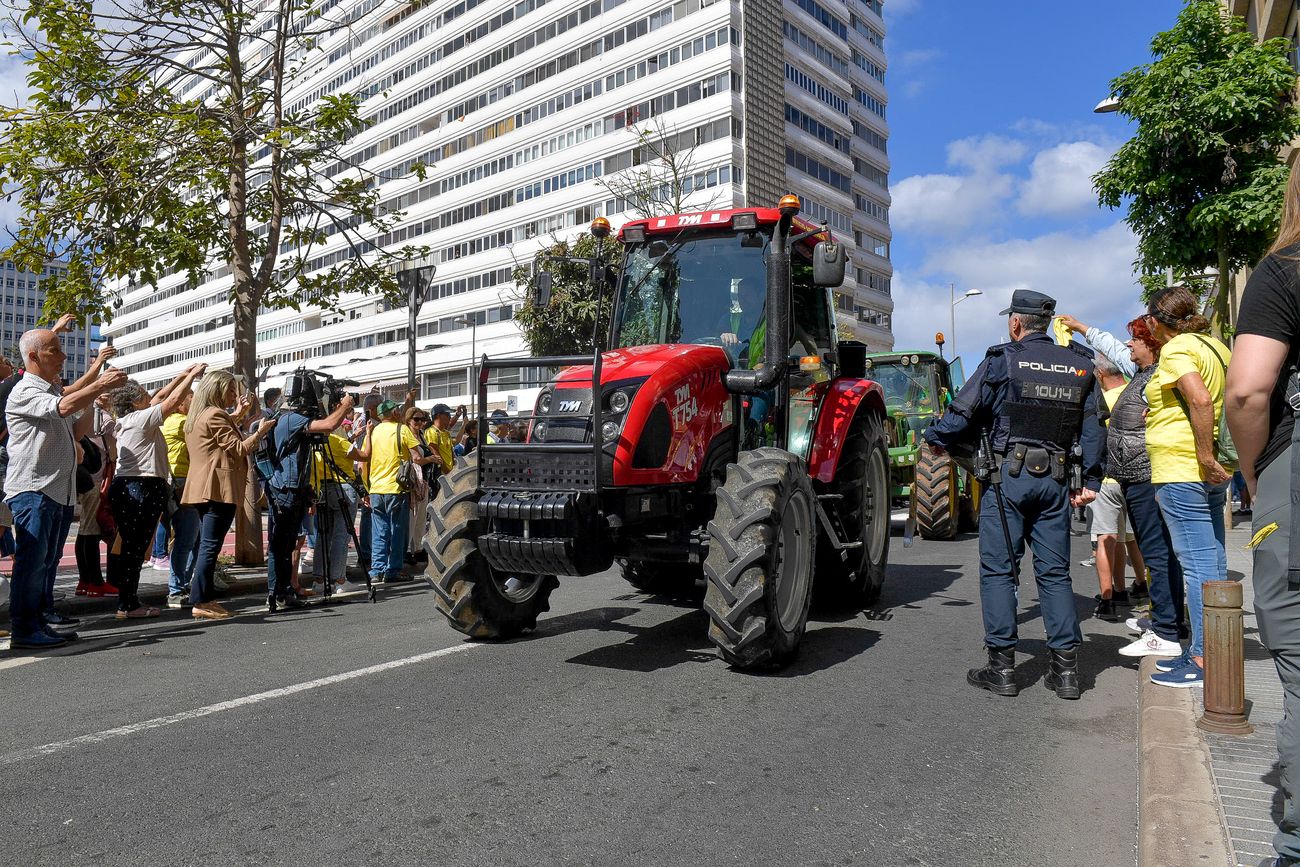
pixel 1225 450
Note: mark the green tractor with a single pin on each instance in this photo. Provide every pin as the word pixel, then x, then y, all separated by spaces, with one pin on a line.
pixel 939 491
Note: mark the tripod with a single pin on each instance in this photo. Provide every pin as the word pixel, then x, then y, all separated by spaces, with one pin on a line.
pixel 333 478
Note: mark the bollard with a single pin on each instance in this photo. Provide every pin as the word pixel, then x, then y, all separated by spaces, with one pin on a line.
pixel 1225 661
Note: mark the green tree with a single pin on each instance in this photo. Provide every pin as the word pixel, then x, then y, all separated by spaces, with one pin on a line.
pixel 567 325
pixel 160 138
pixel 1202 178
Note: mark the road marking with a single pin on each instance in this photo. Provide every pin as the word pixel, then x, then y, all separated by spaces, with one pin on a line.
pixel 15 661
pixel 220 707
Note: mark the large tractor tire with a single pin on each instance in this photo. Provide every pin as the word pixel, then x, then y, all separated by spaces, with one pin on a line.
pixel 855 577
pixel 762 547
pixel 478 600
pixel 938 506
pixel 673 580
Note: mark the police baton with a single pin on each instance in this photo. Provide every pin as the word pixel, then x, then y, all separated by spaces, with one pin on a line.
pixel 994 473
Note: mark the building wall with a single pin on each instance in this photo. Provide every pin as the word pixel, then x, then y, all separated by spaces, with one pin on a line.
pixel 518 122
pixel 21 300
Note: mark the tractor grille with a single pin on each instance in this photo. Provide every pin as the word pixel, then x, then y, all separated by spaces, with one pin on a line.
pixel 536 470
pixel 569 420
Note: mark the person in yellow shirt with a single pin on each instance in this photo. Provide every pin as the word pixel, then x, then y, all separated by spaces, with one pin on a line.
pixel 1185 408
pixel 185 519
pixel 331 480
pixel 387 445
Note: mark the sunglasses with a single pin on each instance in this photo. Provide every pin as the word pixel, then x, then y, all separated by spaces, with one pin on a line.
pixel 419 418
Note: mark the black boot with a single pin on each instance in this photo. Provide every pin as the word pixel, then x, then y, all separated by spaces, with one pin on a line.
pixel 999 675
pixel 1121 598
pixel 1063 677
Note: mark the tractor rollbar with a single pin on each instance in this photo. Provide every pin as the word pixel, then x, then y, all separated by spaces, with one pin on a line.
pixel 582 479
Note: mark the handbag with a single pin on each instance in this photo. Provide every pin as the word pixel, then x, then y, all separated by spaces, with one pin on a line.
pixel 1225 449
pixel 408 476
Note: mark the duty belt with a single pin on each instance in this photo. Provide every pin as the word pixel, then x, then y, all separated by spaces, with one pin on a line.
pixel 1038 460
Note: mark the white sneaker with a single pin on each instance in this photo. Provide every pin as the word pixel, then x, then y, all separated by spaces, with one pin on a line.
pixel 1136 625
pixel 350 587
pixel 1151 644
pixel 162 564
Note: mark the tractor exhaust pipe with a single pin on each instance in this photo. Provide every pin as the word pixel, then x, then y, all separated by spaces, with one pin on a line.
pixel 776 351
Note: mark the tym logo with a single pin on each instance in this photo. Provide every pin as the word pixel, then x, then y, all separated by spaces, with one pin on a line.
pixel 690 219
pixel 570 405
pixel 1052 368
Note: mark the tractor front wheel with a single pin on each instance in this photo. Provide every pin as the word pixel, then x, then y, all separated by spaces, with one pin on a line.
pixel 480 601
pixel 856 576
pixel 762 547
pixel 938 506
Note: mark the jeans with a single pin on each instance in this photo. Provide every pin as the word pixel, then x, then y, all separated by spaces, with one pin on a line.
pixel 41 527
pixel 288 507
pixel 137 502
pixel 1038 510
pixel 333 518
pixel 160 537
pixel 214 522
pixel 1194 514
pixel 388 523
pixel 1166 586
pixel 363 538
pixel 185 535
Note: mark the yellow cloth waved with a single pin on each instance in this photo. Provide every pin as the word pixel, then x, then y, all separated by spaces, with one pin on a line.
pixel 1060 331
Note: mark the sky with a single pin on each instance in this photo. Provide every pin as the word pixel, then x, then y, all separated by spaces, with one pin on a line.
pixel 992 145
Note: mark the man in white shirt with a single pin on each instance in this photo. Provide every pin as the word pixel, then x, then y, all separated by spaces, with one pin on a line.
pixel 45 423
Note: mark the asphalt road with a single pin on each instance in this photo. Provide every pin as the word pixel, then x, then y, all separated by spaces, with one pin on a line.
pixel 373 734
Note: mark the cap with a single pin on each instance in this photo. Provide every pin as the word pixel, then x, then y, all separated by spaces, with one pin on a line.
pixel 387 406
pixel 1031 302
pixel 499 413
pixel 440 409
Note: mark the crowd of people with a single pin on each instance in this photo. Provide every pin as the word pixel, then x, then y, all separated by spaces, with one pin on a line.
pixel 157 479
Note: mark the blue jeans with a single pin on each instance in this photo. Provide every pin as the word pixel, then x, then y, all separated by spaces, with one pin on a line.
pixel 363 538
pixel 41 526
pixel 185 536
pixel 389 520
pixel 160 538
pixel 214 522
pixel 1152 534
pixel 1194 514
pixel 288 507
pixel 334 515
pixel 1038 512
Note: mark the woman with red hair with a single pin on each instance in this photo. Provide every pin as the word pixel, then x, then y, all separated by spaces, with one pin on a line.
pixel 1128 463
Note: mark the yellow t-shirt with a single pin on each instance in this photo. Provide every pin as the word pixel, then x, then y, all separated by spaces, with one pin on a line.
pixel 338 448
pixel 385 457
pixel 1169 432
pixel 178 454
pixel 440 441
pixel 1110 396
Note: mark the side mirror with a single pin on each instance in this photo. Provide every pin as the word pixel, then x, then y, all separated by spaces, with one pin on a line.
pixel 852 359
pixel 828 264
pixel 543 283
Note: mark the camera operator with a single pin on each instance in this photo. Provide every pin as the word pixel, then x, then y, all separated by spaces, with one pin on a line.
pixel 289 488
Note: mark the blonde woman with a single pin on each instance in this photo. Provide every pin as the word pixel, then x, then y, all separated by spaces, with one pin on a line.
pixel 217 474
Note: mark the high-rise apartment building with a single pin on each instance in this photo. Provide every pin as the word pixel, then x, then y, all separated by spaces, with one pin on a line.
pixel 520 110
pixel 21 300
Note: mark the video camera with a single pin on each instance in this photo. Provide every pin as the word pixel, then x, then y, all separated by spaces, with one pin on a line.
pixel 314 394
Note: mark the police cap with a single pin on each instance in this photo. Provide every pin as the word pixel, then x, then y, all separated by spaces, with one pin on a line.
pixel 1032 303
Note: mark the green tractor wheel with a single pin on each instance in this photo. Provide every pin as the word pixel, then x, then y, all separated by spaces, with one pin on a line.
pixel 938 501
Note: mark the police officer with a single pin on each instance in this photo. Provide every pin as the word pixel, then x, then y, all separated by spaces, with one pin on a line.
pixel 1035 399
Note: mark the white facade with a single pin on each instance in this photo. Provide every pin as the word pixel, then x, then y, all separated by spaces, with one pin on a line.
pixel 518 109
pixel 21 300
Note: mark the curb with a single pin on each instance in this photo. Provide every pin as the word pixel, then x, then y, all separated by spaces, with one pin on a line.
pixel 1179 821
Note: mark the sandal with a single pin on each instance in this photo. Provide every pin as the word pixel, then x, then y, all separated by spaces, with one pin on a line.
pixel 139 613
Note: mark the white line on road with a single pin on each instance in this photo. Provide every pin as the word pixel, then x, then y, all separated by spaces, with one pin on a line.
pixel 220 707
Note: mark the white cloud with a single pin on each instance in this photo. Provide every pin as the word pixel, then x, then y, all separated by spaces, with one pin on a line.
pixel 1060 180
pixel 13 82
pixel 1089 274
pixel 985 153
pixel 898 8
pixel 946 204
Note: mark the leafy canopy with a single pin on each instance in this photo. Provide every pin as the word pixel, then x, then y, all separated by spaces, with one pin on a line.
pixel 567 324
pixel 1202 177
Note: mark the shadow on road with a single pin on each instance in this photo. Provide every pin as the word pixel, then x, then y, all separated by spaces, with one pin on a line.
pixel 908 584
pixel 1098 653
pixel 673 642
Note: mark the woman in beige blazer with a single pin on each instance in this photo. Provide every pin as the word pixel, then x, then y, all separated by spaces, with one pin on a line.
pixel 218 473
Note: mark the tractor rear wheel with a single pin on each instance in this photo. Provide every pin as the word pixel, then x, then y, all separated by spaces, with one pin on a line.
pixel 863 483
pixel 673 580
pixel 480 601
pixel 762 547
pixel 938 506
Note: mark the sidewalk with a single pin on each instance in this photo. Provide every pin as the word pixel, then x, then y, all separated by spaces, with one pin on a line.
pixel 1233 776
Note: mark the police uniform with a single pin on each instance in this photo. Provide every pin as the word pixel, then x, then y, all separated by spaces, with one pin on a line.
pixel 1035 399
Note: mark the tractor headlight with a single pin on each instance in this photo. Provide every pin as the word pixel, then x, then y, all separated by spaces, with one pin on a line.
pixel 609 431
pixel 544 403
pixel 539 431
pixel 619 402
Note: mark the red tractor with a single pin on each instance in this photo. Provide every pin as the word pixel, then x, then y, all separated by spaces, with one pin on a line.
pixel 726 434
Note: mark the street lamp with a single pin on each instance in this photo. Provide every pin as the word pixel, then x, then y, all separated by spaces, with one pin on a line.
pixel 952 310
pixel 1106 106
pixel 415 283
pixel 472 322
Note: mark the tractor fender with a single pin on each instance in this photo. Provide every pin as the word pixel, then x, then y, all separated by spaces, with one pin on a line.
pixel 845 399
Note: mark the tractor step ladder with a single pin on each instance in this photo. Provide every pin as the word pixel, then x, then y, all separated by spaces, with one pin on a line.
pixel 834 525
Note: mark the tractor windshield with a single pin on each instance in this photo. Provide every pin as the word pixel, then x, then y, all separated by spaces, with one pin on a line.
pixel 711 288
pixel 912 389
